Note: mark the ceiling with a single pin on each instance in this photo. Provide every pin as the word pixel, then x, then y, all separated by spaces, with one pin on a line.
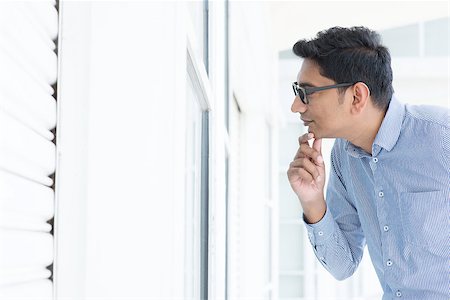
pixel 294 20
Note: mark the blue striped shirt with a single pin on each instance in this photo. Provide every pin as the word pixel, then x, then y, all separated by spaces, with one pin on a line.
pixel 396 201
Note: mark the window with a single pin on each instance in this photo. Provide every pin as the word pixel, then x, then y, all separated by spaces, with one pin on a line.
pixel 269 216
pixel 294 275
pixel 197 164
pixel 402 41
pixel 193 194
pixel 436 37
pixel 234 203
pixel 198 13
pixel 430 38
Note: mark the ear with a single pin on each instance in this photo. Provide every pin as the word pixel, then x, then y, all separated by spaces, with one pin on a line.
pixel 361 95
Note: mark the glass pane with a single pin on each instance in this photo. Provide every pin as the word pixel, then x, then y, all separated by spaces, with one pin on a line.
pixel 291 247
pixel 289 204
pixel 291 286
pixel 402 41
pixel 198 18
pixel 193 195
pixel 234 207
pixel 436 37
pixel 288 143
pixel 268 248
pixel 269 174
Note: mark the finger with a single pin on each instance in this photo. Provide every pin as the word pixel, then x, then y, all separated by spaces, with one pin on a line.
pixel 299 173
pixel 306 164
pixel 299 153
pixel 306 176
pixel 317 145
pixel 306 150
pixel 304 138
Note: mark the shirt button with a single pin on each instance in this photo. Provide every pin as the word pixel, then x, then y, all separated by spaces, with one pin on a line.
pixel 380 194
pixel 320 233
pixel 375 159
pixel 389 263
pixel 398 294
pixel 386 228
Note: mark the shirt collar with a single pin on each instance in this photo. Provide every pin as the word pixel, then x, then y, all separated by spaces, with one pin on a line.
pixel 391 126
pixel 388 133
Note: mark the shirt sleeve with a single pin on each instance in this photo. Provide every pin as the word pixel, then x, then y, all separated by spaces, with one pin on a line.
pixel 337 239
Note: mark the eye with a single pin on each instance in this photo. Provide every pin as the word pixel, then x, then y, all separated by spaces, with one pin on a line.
pixel 308 89
pixel 309 92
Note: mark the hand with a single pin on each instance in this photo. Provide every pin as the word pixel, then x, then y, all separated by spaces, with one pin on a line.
pixel 306 172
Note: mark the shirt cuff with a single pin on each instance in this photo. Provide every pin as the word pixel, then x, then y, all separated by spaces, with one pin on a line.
pixel 319 232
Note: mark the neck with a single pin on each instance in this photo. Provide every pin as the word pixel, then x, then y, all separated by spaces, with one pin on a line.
pixel 368 127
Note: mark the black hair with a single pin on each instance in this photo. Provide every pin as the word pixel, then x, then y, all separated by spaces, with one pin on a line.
pixel 352 55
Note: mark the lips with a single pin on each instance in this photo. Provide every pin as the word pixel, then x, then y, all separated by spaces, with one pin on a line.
pixel 306 122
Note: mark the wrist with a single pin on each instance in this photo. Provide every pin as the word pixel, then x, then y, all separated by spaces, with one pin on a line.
pixel 314 212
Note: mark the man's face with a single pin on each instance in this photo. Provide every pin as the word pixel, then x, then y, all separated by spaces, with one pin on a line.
pixel 326 115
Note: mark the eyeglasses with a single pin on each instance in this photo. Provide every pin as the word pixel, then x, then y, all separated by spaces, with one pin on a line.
pixel 302 92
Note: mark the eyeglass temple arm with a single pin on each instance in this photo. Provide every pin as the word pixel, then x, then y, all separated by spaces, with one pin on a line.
pixel 316 89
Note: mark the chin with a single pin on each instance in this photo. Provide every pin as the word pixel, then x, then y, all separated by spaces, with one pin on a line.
pixel 319 135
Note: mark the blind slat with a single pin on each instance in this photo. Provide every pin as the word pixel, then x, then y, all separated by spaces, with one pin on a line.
pixel 17 221
pixel 24 144
pixel 35 99
pixel 20 39
pixel 19 70
pixel 35 290
pixel 19 249
pixel 11 164
pixel 10 287
pixel 25 117
pixel 25 197
pixel 43 14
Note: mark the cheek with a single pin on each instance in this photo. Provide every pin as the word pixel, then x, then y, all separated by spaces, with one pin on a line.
pixel 327 119
pixel 322 115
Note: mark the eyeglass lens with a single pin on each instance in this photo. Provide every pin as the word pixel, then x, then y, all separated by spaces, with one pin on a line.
pixel 299 92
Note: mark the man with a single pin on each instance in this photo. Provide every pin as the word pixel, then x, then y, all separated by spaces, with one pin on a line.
pixel 389 182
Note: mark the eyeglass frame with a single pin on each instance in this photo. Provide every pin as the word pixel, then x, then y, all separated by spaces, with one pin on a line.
pixel 310 90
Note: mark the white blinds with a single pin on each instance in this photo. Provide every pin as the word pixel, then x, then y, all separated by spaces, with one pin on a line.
pixel 28 69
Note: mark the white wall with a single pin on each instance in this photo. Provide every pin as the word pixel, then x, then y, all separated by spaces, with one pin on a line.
pixel 133 200
pixel 73 127
pixel 127 79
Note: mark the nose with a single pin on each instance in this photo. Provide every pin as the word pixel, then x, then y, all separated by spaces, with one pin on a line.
pixel 298 105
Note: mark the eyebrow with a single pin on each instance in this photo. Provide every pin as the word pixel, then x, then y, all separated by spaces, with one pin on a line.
pixel 304 84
